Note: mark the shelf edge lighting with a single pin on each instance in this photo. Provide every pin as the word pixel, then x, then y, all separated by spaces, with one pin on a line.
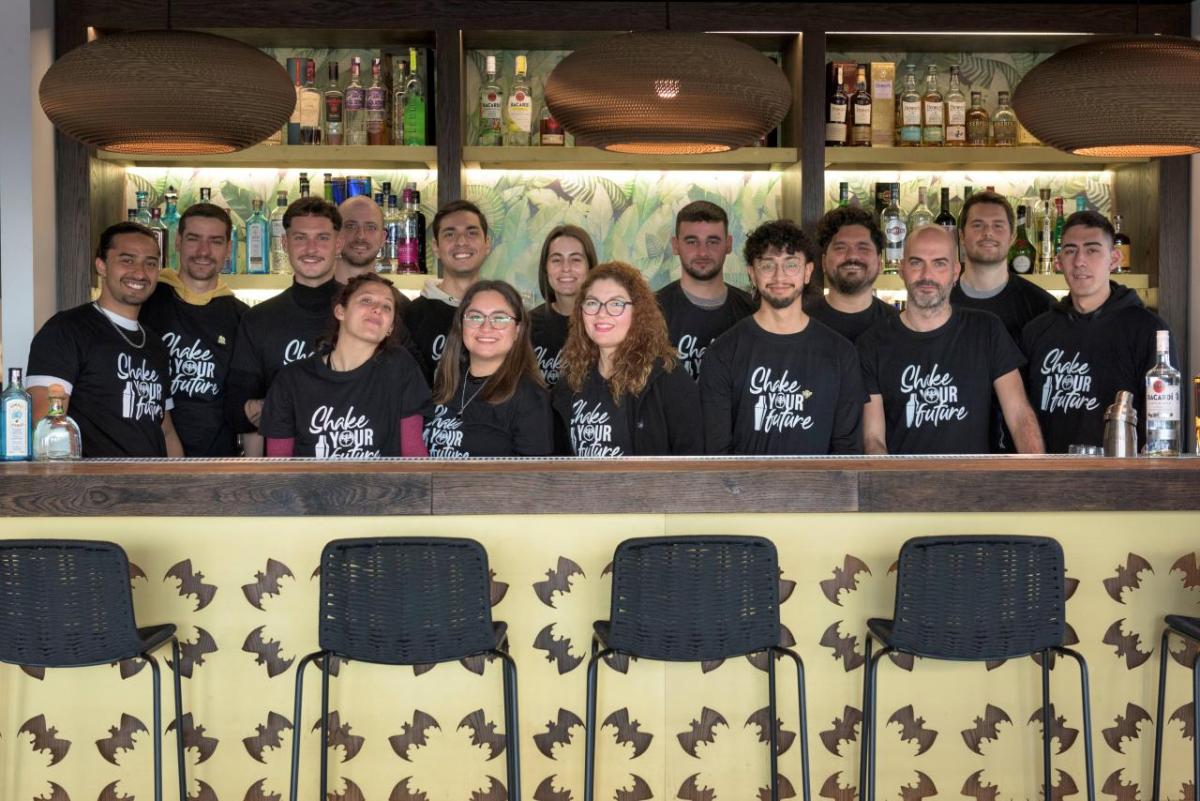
pixel 1120 97
pixel 665 92
pixel 209 94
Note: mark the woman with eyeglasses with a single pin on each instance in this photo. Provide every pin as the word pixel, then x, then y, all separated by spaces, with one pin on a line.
pixel 491 400
pixel 362 397
pixel 622 391
pixel 567 256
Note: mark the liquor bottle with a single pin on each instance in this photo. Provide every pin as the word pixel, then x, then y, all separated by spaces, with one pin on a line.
pixel 979 123
pixel 956 111
pixel 933 107
pixel 170 219
pixel 1043 225
pixel 1059 221
pixel 519 109
pixel 375 103
pixel 920 215
pixel 143 208
pixel 334 100
pixel 131 215
pixel 327 187
pixel 1022 254
pixel 414 103
pixel 550 133
pixel 407 240
pixel 420 224
pixel 860 105
pixel 16 438
pixel 310 106
pixel 400 81
pixel 891 220
pixel 945 218
pixel 305 187
pixel 1004 124
pixel 968 190
pixel 258 240
pixel 1164 394
pixel 1123 245
pixel 296 68
pixel 843 194
pixel 491 108
pixel 160 234
pixel 835 119
pixel 231 261
pixel 908 111
pixel 56 437
pixel 279 257
pixel 355 106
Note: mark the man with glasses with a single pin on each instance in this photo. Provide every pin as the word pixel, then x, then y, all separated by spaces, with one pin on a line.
pixel 363 234
pixel 779 381
pixel 931 370
pixel 461 244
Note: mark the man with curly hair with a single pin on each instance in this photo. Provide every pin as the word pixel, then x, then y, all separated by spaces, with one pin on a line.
pixel 850 243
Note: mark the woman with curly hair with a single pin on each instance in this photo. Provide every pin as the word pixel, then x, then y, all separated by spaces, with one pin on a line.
pixel 621 391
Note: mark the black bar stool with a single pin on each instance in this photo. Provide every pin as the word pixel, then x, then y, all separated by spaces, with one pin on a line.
pixel 694 599
pixel 67 603
pixel 406 601
pixel 976 598
pixel 1189 629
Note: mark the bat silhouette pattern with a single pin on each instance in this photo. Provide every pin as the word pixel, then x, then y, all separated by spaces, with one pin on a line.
pixel 483 732
pixel 266 582
pixel 109 793
pixel 1128 577
pixel 258 792
pixel 135 573
pixel 703 730
pixel 34 671
pixel 691 791
pixel 761 719
pixel 193 737
pixel 786 587
pixel 120 737
pixel 1128 646
pixel 1059 730
pixel 628 732
pixel 843 731
pixel 639 792
pixel 557 580
pixel 912 729
pixel 339 736
pixel 268 736
pixel 922 789
pixel 1186 564
pixel 1185 716
pixel 844 647
pixel 558 732
pixel 192 652
pixel 545 791
pixel 558 650
pixel 495 791
pixel 267 652
pixel 1125 727
pixel 975 787
pixel 1118 789
pixel 1066 786
pixel 832 789
pixel 191 583
pixel 413 735
pixel 45 738
pixel 759 658
pixel 402 792
pixel 845 578
pixel 57 793
pixel 497 589
pixel 986 727
pixel 352 792
pixel 205 793
pixel 785 789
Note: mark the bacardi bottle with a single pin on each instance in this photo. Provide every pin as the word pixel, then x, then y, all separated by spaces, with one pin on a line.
pixel 1164 393
pixel 519 109
pixel 355 106
pixel 491 108
pixel 16 436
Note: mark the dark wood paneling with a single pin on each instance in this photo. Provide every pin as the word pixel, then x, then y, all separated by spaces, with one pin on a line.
pixel 812 147
pixel 450 133
pixel 72 188
pixel 1172 18
pixel 1174 268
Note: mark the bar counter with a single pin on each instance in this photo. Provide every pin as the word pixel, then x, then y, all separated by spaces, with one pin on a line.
pixel 227 551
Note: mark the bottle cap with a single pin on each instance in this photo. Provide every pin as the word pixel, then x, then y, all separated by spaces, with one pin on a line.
pixel 522 64
pixel 491 64
pixel 57 390
pixel 1162 339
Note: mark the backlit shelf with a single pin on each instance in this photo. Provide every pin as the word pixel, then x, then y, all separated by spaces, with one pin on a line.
pixel 1035 157
pixel 279 282
pixel 1139 281
pixel 314 157
pixel 590 158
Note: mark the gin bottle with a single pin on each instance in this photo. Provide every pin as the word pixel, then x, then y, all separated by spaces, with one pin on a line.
pixel 1164 393
pixel 56 437
pixel 376 106
pixel 258 238
pixel 143 208
pixel 491 105
pixel 170 219
pixel 160 235
pixel 279 257
pixel 519 124
pixel 16 437
pixel 355 106
pixel 414 103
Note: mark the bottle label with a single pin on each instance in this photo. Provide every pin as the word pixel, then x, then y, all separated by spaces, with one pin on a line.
pixel 1021 263
pixel 376 99
pixel 553 139
pixel 882 90
pixel 333 109
pixel 1126 261
pixel 956 133
pixel 862 114
pixel 489 107
pixel 1162 399
pixel 910 112
pixel 254 244
pixel 910 133
pixel 956 113
pixel 835 132
pixel 278 232
pixel 310 109
pixel 16 428
pixel 520 112
pixel 355 99
pixel 895 232
pixel 935 113
pixel 295 118
pixel 414 121
pixel 837 112
pixel 406 252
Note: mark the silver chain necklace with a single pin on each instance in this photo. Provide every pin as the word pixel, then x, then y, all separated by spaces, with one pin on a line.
pixel 463 403
pixel 121 330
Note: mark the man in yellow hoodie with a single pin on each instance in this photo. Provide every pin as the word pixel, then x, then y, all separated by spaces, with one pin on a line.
pixel 197 316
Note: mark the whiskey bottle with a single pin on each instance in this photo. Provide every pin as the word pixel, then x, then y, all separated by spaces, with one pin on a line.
pixel 891 220
pixel 920 215
pixel 1164 393
pixel 519 109
pixel 355 106
pixel 334 99
pixel 1123 245
pixel 16 436
pixel 1004 123
pixel 310 106
pixel 414 103
pixel 860 104
pixel 1022 253
pixel 979 122
pixel 908 111
pixel 491 105
pixel 956 112
pixel 933 110
pixel 375 103
pixel 835 120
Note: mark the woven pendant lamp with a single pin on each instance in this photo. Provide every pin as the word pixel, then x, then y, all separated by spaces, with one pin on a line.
pixel 667 92
pixel 167 92
pixel 1125 97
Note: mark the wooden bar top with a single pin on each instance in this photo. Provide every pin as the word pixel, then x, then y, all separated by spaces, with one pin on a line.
pixel 284 487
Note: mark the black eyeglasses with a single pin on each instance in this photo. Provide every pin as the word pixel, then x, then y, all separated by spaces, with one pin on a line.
pixel 615 307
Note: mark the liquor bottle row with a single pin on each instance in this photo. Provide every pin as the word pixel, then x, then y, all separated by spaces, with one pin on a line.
pixel 508 120
pixel 258 246
pixel 1028 254
pixel 55 437
pixel 884 116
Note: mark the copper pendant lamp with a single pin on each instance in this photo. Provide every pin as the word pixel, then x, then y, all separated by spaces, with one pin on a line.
pixel 667 92
pixel 1122 97
pixel 167 92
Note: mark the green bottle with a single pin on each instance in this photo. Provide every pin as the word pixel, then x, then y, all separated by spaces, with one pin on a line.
pixel 414 104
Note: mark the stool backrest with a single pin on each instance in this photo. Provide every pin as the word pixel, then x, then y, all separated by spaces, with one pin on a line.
pixel 405 601
pixel 694 598
pixel 65 603
pixel 979 597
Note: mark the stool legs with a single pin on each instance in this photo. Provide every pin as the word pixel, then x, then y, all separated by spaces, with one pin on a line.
pixel 179 747
pixel 589 750
pixel 867 766
pixel 1087 719
pixel 795 657
pixel 324 726
pixel 1047 775
pixel 512 738
pixel 156 689
pixel 1164 654
pixel 297 726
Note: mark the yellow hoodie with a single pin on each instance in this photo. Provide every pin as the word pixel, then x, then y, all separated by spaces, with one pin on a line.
pixel 171 278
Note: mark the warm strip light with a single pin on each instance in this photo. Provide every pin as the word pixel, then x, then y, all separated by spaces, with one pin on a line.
pixel 1136 151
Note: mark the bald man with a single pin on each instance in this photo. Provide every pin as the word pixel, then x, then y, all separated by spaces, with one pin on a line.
pixel 931 370
pixel 363 235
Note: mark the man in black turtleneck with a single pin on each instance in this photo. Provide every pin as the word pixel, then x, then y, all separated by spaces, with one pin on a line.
pixel 285 328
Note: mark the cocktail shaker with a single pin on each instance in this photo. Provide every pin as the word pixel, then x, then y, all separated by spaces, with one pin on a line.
pixel 1120 426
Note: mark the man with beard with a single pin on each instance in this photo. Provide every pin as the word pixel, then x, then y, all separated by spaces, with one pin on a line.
pixel 779 381
pixel 197 316
pixel 850 243
pixel 931 370
pixel 363 234
pixel 700 306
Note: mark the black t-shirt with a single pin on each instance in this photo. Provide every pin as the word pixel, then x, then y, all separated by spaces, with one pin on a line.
pixel 1016 304
pixel 520 426
pixel 765 393
pixel 692 328
pixel 354 414
pixel 200 340
pixel 937 385
pixel 851 325
pixel 1078 363
pixel 549 334
pixel 428 321
pixel 119 392
pixel 596 425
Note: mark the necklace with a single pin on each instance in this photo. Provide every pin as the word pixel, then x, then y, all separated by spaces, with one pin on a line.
pixel 463 402
pixel 121 330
